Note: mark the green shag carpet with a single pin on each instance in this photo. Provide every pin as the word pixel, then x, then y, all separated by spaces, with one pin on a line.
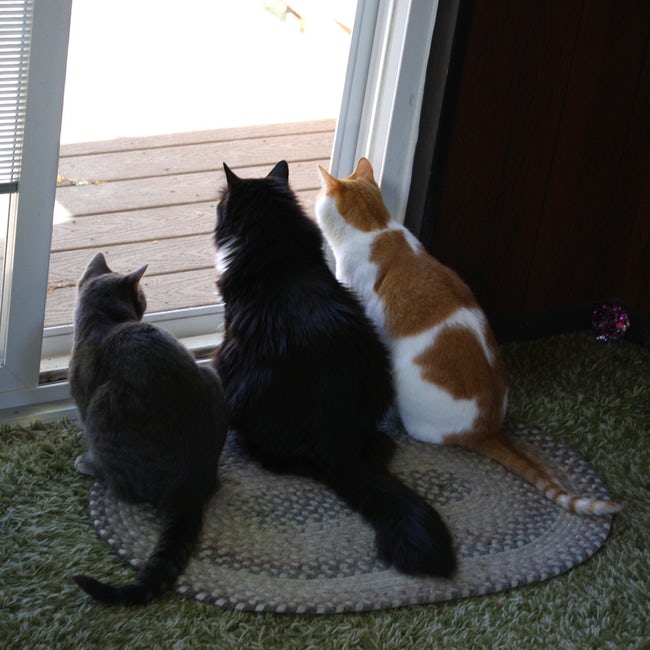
pixel 592 396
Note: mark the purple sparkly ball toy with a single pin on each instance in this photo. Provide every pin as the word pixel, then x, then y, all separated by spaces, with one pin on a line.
pixel 610 322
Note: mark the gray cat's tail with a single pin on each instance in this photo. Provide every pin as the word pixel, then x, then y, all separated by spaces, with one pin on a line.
pixel 178 538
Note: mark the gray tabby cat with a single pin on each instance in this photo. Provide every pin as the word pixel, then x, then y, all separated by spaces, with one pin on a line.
pixel 154 421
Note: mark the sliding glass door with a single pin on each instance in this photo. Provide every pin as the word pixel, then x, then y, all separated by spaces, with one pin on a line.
pixel 35 34
pixel 379 119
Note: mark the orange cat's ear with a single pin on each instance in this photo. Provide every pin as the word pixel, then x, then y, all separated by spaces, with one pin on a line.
pixel 330 183
pixel 364 169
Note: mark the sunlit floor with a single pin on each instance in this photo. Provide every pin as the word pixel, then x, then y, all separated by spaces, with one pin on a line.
pixel 155 67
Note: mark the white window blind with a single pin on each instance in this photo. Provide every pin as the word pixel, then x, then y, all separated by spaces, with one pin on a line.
pixel 15 34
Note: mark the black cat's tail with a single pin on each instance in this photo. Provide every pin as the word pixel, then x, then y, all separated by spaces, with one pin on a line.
pixel 181 528
pixel 410 534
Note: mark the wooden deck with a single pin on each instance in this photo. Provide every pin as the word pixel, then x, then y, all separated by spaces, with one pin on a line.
pixel 152 201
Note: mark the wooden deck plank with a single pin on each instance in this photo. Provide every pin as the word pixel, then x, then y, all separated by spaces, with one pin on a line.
pixel 133 226
pixel 176 189
pixel 162 256
pixel 196 137
pixel 163 292
pixel 238 154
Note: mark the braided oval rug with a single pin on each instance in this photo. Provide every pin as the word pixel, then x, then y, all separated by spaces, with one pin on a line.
pixel 279 543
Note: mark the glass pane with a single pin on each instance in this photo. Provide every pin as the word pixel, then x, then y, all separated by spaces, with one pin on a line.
pixel 146 127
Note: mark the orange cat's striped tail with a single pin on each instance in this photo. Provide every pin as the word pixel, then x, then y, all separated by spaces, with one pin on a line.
pixel 500 448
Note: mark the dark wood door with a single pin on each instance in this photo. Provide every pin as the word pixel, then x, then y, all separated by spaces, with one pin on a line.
pixel 545 197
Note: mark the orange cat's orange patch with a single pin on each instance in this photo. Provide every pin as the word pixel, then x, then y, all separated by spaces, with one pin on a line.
pixel 417 291
pixel 451 349
pixel 455 348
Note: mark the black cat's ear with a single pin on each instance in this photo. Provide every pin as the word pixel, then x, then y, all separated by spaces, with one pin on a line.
pixel 281 171
pixel 134 277
pixel 231 177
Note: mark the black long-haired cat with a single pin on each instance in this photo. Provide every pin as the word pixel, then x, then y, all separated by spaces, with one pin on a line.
pixel 155 422
pixel 305 376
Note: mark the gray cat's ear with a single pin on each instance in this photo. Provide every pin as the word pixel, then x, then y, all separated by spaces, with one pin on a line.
pixel 134 277
pixel 281 171
pixel 231 177
pixel 96 267
pixel 98 264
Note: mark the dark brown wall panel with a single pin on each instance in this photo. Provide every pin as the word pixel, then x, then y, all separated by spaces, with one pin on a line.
pixel 545 196
pixel 532 141
pixel 575 167
pixel 492 71
pixel 623 259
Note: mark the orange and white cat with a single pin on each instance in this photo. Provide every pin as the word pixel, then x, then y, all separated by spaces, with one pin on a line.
pixel 450 379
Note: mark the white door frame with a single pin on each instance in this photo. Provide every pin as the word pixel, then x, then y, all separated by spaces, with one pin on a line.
pixel 382 96
pixel 30 225
pixel 379 119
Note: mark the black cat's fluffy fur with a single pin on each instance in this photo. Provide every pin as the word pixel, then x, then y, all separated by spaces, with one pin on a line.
pixel 305 376
pixel 154 421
